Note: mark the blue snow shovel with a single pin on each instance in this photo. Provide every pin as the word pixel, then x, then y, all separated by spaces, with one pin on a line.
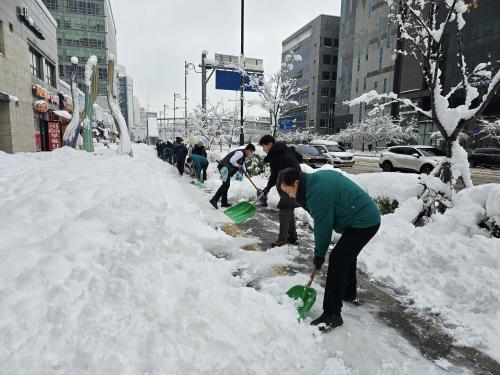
pixel 304 293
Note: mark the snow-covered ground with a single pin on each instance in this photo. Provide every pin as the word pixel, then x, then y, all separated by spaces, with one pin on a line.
pixel 109 267
pixel 448 268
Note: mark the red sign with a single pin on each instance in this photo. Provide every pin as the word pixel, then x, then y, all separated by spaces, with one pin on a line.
pixel 38 141
pixel 54 136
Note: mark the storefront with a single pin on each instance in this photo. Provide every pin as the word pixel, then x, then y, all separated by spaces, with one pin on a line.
pixel 52 115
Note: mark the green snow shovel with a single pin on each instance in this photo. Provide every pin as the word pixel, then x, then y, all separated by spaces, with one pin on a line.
pixel 304 293
pixel 241 212
pixel 198 183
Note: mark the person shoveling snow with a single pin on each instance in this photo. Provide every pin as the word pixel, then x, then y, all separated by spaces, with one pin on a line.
pixel 335 203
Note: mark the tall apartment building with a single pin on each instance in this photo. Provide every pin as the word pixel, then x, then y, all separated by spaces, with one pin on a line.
pixel 125 86
pixel 317 43
pixel 85 28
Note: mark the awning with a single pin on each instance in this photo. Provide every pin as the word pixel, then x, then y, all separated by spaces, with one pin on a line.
pixel 64 114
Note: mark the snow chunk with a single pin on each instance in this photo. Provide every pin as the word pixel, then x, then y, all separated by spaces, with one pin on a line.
pixel 74 60
pixel 89 67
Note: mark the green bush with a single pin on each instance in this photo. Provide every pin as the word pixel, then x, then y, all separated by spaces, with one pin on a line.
pixel 385 205
pixel 256 166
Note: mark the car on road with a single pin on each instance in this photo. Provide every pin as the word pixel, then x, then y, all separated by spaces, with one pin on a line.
pixel 311 155
pixel 485 157
pixel 338 155
pixel 420 159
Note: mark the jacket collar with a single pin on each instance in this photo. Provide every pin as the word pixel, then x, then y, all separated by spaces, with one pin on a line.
pixel 301 192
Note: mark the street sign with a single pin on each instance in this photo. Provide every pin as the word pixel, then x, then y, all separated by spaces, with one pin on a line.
pixel 286 124
pixel 231 80
pixel 230 62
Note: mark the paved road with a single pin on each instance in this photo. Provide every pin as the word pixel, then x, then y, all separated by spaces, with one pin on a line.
pixel 423 332
pixel 480 176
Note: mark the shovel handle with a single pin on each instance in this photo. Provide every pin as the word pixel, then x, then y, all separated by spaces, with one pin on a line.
pixel 249 179
pixel 313 273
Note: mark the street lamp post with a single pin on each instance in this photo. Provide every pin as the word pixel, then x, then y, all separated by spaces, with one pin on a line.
pixel 187 66
pixel 242 135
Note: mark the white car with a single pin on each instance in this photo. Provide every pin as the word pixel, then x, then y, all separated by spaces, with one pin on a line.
pixel 337 154
pixel 420 159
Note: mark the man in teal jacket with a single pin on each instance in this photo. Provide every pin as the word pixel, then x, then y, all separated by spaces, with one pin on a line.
pixel 336 204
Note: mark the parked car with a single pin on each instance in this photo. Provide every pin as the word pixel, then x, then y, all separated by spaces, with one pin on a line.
pixel 322 149
pixel 311 156
pixel 485 157
pixel 338 155
pixel 420 159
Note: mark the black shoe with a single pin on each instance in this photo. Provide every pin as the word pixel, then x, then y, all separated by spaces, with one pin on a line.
pixel 226 205
pixel 279 243
pixel 293 242
pixel 327 321
pixel 213 203
pixel 354 301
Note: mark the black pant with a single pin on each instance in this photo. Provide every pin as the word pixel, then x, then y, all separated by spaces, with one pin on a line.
pixel 180 166
pixel 288 232
pixel 222 192
pixel 341 277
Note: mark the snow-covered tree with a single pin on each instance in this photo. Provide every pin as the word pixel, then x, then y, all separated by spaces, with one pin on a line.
pixel 377 129
pixel 215 125
pixel 276 91
pixel 297 136
pixel 423 25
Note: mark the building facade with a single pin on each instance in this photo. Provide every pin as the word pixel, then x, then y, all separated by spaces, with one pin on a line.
pixel 317 43
pixel 29 93
pixel 125 86
pixel 374 44
pixel 85 28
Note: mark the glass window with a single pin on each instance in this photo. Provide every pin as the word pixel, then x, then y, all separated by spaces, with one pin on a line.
pixel 380 59
pixel 36 64
pixel 325 91
pixel 324 108
pixel 364 83
pixel 327 42
pixel 322 124
pixel 2 45
pixel 327 59
pixel 431 151
pixel 366 53
pixel 335 42
pixel 375 85
pixel 334 76
pixel 370 5
pixel 357 85
pixel 325 76
pixel 50 74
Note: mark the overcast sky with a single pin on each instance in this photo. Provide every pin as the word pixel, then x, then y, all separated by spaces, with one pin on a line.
pixel 156 36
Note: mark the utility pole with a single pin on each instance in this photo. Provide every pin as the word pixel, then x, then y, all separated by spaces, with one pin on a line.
pixel 242 98
pixel 165 119
pixel 203 81
pixel 175 97
pixel 185 100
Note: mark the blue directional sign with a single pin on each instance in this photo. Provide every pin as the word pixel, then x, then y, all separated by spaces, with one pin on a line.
pixel 286 124
pixel 231 80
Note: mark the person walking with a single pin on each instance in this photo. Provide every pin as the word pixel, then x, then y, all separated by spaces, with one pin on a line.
pixel 232 163
pixel 180 153
pixel 280 156
pixel 199 165
pixel 337 204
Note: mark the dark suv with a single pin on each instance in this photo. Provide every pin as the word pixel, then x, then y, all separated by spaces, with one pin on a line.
pixel 311 156
pixel 486 157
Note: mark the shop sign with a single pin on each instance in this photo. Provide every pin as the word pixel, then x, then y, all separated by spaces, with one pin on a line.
pixel 43 93
pixel 38 140
pixel 30 23
pixel 54 136
pixel 41 106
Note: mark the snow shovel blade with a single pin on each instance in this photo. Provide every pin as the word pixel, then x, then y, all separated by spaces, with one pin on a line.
pixel 198 183
pixel 241 212
pixel 304 293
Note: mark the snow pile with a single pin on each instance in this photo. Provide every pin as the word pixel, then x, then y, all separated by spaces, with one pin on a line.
pixel 74 60
pixel 448 267
pixel 105 270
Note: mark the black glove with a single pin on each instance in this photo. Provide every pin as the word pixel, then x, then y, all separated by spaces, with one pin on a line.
pixel 265 191
pixel 318 261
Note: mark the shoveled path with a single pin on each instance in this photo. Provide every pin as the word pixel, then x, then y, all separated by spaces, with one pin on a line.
pixel 422 331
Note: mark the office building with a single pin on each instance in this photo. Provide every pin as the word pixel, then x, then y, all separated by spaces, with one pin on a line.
pixel 125 87
pixel 317 43
pixel 85 28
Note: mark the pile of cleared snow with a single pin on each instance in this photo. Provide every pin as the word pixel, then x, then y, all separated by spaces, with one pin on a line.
pixel 450 266
pixel 105 270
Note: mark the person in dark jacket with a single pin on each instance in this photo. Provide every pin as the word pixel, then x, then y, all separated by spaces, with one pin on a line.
pixel 159 147
pixel 280 156
pixel 199 163
pixel 232 163
pixel 168 152
pixel 199 149
pixel 337 204
pixel 180 153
